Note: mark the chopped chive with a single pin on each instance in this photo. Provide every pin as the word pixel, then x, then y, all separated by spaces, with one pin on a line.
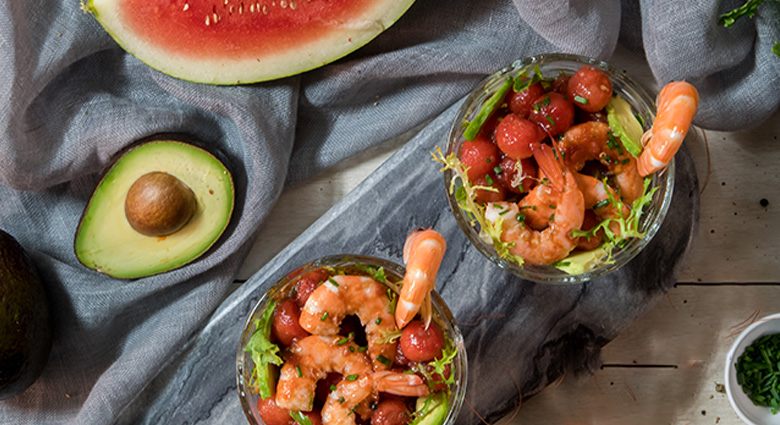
pixel 614 144
pixel 503 212
pixel 488 160
pixel 384 360
pixel 352 377
pixel 562 264
pixel 552 218
pixel 520 217
pixel 351 348
pixel 362 349
pixel 625 161
pixel 333 282
pixel 324 316
pixel 333 387
pixel 602 203
pixel 580 99
pixel 546 100
pixel 498 170
pixel 342 399
pixel 549 118
pixel 378 320
pixel 298 369
pixel 488 179
pixel 552 206
pixel 345 340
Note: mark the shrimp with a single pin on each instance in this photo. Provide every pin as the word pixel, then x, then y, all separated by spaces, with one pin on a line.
pixel 340 296
pixel 596 195
pixel 423 253
pixel 312 358
pixel 555 242
pixel 593 140
pixel 677 103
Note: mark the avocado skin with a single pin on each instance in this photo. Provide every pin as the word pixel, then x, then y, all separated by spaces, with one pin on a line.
pixel 25 326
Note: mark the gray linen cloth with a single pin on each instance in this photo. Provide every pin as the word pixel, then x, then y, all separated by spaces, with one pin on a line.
pixel 71 99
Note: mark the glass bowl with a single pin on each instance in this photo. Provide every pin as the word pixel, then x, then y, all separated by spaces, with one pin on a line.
pixel 394 278
pixel 551 65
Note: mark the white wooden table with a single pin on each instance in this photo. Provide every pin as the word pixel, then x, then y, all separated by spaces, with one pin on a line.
pixel 667 368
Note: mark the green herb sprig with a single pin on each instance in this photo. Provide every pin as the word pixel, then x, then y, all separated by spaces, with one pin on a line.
pixel 747 9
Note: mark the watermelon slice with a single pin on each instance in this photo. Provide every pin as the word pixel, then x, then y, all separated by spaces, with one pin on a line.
pixel 243 41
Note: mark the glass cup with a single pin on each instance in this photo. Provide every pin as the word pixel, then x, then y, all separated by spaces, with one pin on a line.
pixel 394 278
pixel 551 65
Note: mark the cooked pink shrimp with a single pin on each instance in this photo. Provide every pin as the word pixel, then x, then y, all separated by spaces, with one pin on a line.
pixel 593 140
pixel 340 296
pixel 342 401
pixel 423 253
pixel 595 194
pixel 312 358
pixel 677 103
pixel 555 242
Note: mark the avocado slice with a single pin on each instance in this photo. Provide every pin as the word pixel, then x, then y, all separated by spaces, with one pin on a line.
pixel 107 242
pixel 582 261
pixel 437 409
pixel 624 125
pixel 25 326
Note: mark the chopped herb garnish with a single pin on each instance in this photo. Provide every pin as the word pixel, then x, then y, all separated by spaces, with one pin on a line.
pixel 324 316
pixel 346 339
pixel 351 348
pixel 488 179
pixel 601 204
pixel 384 360
pixel 625 161
pixel 333 282
pixel 342 399
pixel 580 99
pixel 498 170
pixel 520 217
pixel 549 118
pixel 488 160
pixel 333 387
pixel 300 418
pixel 378 320
pixel 503 212
pixel 545 101
pixel 552 218
pixel 758 370
pixel 362 349
pixel 298 370
pixel 352 377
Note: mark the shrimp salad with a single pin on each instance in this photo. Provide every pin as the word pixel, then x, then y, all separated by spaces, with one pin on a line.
pixel 327 349
pixel 551 168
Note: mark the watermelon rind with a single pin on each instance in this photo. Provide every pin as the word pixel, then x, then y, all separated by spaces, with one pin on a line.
pixel 292 56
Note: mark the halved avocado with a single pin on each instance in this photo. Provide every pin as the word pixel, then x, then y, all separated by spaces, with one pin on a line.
pixel 107 242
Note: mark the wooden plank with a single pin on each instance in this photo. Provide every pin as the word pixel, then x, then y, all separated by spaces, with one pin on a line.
pixel 664 369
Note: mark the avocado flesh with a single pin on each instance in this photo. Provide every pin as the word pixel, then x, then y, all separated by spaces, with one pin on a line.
pixel 437 410
pixel 25 328
pixel 106 242
pixel 624 125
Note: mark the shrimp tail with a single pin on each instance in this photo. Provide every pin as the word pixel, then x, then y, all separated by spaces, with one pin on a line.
pixel 548 162
pixel 423 253
pixel 403 384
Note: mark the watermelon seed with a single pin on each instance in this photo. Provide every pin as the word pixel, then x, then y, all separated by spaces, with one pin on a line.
pixel 186 6
pixel 283 3
pixel 292 4
pixel 207 20
pixel 265 9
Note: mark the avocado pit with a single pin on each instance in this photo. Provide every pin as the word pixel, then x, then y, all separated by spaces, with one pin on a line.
pixel 159 204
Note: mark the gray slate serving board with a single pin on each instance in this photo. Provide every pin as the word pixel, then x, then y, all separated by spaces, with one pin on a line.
pixel 514 329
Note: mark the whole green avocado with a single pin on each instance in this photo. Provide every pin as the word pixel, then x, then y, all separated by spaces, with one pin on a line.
pixel 25 327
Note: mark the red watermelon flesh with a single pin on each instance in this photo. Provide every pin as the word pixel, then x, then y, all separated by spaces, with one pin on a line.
pixel 233 42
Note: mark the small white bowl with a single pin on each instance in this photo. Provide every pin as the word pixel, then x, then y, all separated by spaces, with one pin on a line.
pixel 747 411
